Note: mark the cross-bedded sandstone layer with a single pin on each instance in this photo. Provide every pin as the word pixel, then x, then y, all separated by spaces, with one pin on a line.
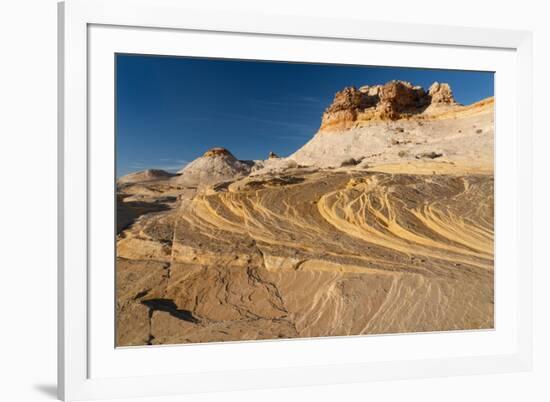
pixel 381 223
pixel 311 254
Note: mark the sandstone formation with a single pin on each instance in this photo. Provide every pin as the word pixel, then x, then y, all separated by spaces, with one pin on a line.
pixel 215 165
pixel 218 152
pixel 396 122
pixel 381 223
pixel 441 93
pixel 145 175
pixel 391 101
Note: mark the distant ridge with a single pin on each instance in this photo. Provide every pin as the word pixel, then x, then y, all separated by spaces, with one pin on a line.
pixel 392 123
pixel 145 175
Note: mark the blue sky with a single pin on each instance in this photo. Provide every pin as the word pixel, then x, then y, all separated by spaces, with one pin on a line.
pixel 170 110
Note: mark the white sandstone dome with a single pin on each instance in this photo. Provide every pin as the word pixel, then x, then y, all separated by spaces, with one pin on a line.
pixel 216 165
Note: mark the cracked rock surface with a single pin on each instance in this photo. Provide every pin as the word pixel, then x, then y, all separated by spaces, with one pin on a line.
pixel 382 223
pixel 333 253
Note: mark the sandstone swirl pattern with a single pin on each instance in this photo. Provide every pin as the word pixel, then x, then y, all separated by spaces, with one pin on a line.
pixel 313 251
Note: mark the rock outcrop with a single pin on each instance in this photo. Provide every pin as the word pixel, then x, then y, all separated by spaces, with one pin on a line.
pixel 218 152
pixel 441 93
pixel 458 134
pixel 216 165
pixel 391 101
pixel 144 176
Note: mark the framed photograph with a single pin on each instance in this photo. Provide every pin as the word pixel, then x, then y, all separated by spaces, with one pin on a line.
pixel 254 201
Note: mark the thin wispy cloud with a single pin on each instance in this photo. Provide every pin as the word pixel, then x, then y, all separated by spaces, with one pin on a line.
pixel 282 123
pixel 173 160
pixel 309 99
pixel 169 164
pixel 291 102
pixel 298 137
pixel 171 168
pixel 193 118
pixel 269 102
pixel 172 164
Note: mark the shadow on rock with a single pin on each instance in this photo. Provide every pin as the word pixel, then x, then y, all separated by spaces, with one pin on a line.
pixel 129 212
pixel 168 306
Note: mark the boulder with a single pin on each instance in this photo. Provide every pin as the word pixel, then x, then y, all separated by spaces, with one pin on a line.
pixel 441 93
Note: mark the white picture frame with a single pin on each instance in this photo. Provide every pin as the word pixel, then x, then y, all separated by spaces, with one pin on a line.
pixel 85 27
